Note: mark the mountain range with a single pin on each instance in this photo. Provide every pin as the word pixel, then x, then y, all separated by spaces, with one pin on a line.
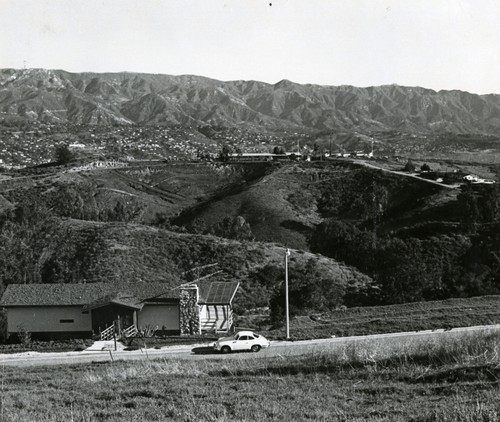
pixel 137 98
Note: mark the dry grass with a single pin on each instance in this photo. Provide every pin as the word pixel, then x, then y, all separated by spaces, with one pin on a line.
pixel 454 380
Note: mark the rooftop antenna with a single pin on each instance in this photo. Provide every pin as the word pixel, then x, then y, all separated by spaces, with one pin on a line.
pixel 197 273
pixel 198 278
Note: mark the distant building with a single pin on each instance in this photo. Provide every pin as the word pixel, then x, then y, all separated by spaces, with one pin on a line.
pixel 472 178
pixel 262 156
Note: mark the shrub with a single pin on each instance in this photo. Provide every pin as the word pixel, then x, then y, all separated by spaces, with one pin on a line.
pixel 24 336
pixel 63 154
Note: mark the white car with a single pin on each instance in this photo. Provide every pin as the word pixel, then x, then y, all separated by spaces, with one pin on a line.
pixel 242 340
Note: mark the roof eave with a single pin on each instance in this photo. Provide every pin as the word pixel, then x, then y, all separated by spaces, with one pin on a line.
pixel 137 307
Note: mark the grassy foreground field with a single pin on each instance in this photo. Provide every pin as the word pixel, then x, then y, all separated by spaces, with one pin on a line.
pixel 445 380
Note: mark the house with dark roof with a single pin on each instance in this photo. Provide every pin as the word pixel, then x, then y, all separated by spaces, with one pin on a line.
pixel 110 309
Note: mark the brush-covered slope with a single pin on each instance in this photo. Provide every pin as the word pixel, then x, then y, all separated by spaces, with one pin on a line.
pixel 139 193
pixel 59 96
pixel 271 202
pixel 131 252
pixel 287 205
pixel 78 251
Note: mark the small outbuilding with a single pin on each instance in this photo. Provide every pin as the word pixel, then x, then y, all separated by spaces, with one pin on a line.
pixel 107 309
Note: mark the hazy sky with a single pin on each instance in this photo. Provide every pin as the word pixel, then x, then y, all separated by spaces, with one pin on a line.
pixel 439 44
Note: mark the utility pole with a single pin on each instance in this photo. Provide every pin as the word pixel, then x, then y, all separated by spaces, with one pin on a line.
pixel 287 254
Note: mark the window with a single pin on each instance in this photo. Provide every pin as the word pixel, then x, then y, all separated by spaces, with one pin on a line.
pixel 242 338
pixel 66 321
pixel 250 338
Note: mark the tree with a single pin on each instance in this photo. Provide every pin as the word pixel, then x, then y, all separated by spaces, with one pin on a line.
pixel 278 150
pixel 318 152
pixel 225 152
pixel 23 233
pixel 401 271
pixel 376 201
pixel 259 288
pixel 468 202
pixel 232 228
pixel 198 226
pixel 63 154
pixel 310 290
pixel 489 200
pixel 409 166
pixel 425 167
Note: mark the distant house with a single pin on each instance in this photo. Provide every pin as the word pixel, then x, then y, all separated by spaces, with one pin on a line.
pixel 107 309
pixel 472 178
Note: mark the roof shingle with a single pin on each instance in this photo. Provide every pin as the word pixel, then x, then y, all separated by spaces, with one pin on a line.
pixel 80 294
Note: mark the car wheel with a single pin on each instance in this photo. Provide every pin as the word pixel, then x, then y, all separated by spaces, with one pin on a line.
pixel 225 349
pixel 255 348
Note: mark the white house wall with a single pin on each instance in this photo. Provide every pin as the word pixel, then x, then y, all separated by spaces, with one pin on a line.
pixel 214 317
pixel 48 319
pixel 165 317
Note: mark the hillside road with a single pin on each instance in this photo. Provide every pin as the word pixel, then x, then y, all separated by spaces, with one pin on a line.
pixel 377 346
pixel 405 174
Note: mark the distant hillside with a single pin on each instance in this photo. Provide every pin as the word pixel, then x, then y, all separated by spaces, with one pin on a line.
pixel 140 194
pixel 280 202
pixel 359 235
pixel 287 204
pixel 59 96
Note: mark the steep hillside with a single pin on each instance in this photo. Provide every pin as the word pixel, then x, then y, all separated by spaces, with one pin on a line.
pixel 279 202
pixel 78 251
pixel 59 96
pixel 131 252
pixel 140 193
pixel 288 204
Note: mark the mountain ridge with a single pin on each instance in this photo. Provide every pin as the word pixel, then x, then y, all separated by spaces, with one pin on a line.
pixel 190 100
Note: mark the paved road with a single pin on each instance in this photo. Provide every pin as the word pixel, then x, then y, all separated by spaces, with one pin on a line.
pixel 379 346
